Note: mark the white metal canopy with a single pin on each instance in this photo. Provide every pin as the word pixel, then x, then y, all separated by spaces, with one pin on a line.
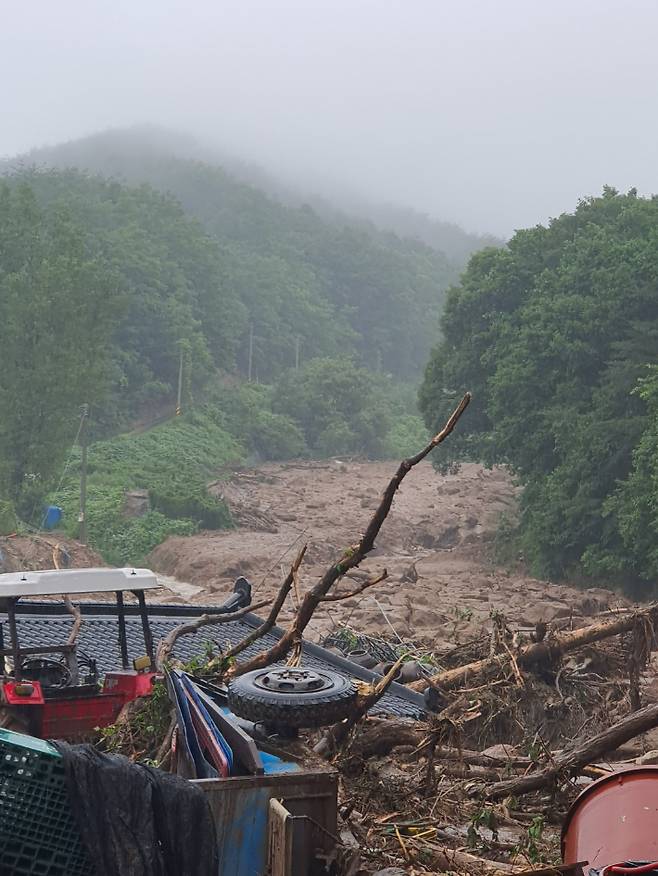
pixel 55 582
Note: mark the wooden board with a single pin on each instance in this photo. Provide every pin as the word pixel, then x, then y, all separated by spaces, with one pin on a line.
pixel 280 840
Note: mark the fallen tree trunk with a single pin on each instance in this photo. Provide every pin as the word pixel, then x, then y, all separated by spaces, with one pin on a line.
pixel 571 762
pixel 455 861
pixel 380 736
pixel 545 652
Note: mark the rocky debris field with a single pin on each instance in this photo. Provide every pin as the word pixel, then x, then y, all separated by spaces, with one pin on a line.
pixel 436 546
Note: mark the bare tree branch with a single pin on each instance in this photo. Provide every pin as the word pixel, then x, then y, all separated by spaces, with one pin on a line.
pixel 337 597
pixel 165 646
pixel 72 609
pixel 352 557
pixel 77 620
pixel 267 625
pixel 335 736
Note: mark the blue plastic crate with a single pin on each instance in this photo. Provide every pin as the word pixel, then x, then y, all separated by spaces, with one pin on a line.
pixel 38 836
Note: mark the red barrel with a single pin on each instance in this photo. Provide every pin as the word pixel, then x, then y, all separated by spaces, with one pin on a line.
pixel 615 819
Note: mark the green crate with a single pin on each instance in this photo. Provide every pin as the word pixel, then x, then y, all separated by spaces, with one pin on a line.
pixel 38 836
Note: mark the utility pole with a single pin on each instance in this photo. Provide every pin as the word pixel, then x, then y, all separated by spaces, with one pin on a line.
pixel 251 350
pixel 84 436
pixel 297 346
pixel 180 383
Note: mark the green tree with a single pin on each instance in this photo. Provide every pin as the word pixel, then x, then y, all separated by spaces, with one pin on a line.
pixel 58 307
pixel 339 408
pixel 551 334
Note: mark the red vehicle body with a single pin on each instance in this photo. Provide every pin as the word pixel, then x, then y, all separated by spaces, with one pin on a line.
pixel 60 696
pixel 74 712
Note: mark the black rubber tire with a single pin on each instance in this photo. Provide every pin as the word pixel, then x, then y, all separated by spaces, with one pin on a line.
pixel 299 709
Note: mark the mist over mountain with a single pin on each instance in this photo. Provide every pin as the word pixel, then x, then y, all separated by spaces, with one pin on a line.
pixel 136 153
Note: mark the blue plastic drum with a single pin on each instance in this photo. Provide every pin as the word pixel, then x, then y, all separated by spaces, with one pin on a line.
pixel 52 516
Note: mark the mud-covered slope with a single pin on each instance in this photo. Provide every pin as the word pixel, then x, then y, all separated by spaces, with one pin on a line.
pixel 442 585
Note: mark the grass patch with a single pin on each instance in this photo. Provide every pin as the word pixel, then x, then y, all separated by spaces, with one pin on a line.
pixel 173 462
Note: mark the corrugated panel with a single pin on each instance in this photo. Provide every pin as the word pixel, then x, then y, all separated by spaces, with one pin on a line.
pixel 99 639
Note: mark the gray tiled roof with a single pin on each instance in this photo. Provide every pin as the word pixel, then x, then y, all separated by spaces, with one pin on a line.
pixel 43 624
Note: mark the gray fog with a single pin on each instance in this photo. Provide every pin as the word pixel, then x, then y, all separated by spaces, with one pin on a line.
pixel 495 115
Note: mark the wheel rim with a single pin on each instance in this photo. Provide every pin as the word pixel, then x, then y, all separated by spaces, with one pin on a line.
pixel 291 680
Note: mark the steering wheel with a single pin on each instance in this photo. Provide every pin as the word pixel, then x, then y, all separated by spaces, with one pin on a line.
pixel 48 672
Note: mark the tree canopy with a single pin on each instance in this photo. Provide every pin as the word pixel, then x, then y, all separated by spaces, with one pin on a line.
pixel 305 277
pixel 553 334
pixel 104 286
pixel 59 305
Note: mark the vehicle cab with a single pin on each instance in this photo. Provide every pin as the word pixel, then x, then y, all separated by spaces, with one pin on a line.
pixel 54 691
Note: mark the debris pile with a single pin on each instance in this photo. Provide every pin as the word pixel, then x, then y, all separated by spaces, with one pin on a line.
pixel 518 721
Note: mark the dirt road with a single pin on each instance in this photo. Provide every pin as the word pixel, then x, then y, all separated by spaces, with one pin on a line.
pixel 442 585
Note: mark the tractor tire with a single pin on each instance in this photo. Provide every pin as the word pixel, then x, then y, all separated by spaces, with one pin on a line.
pixel 275 697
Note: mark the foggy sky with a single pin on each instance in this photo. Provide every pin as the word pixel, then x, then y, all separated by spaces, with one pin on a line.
pixel 492 113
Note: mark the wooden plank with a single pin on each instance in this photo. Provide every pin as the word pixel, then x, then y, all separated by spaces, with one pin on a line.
pixel 280 840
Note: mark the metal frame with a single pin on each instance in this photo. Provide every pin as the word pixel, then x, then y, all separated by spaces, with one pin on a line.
pixel 55 582
pixel 69 650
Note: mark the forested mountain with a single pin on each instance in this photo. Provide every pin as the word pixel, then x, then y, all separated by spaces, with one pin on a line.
pixel 324 283
pixel 554 335
pixel 104 284
pixel 129 152
pixel 446 237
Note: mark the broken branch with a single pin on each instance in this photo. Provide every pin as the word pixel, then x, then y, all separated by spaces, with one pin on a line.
pixel 337 597
pixel 352 557
pixel 571 762
pixel 77 620
pixel 336 735
pixel 267 625
pixel 72 609
pixel 166 645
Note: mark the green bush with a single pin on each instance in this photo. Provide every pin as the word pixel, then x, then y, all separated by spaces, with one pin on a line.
pixel 336 439
pixel 340 408
pixel 206 510
pixel 8 520
pixel 173 462
pixel 277 437
pixel 406 436
pixel 329 407
pixel 245 411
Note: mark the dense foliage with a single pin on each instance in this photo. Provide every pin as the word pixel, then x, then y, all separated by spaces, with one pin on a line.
pixel 172 463
pixel 328 283
pixel 329 407
pixel 106 287
pixel 59 304
pixel 553 334
pixel 171 276
pixel 342 409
